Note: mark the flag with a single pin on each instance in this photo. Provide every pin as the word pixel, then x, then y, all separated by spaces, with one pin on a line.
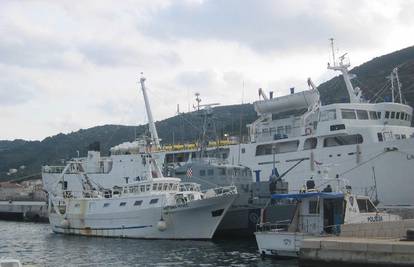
pixel 189 172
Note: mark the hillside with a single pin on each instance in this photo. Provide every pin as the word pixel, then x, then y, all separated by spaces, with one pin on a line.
pixel 186 127
pixel 52 150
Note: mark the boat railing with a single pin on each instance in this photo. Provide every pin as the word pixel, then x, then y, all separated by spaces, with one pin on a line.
pixel 189 187
pixel 273 226
pixel 220 191
pixel 53 169
pixel 88 194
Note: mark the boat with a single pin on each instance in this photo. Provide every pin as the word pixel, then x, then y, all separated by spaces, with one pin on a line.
pixel 6 262
pixel 156 207
pixel 357 138
pixel 318 213
pixel 244 214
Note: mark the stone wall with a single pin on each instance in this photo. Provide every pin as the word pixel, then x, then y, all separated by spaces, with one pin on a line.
pixel 381 230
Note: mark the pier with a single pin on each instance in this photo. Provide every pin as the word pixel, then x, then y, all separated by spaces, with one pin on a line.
pixel 24 210
pixel 376 244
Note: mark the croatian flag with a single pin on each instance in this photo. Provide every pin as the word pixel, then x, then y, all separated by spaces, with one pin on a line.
pixel 189 172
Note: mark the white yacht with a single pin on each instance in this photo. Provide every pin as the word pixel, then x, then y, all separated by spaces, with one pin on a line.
pixel 318 213
pixel 155 207
pixel 357 139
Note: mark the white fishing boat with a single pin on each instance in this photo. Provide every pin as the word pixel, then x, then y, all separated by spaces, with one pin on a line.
pixel 155 207
pixel 318 213
pixel 6 262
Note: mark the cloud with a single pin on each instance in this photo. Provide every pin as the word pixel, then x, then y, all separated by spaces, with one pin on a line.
pixel 268 25
pixel 15 92
pixel 68 64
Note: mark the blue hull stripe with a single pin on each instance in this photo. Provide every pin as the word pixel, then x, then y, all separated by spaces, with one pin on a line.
pixel 111 228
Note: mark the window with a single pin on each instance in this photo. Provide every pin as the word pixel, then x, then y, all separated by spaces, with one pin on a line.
pixel 328 115
pixel 403 136
pixel 362 114
pixel 106 205
pixel 243 150
pixel 202 172
pixel 288 129
pixel 165 187
pixel 154 186
pixel 402 116
pixel 406 116
pixel 337 127
pixel 313 207
pixel 222 171
pixel 373 115
pixel 138 203
pixel 210 172
pixel 379 115
pixel 122 204
pixel 154 200
pixel 387 114
pixel 397 116
pixel 77 205
pixel 310 143
pixel 282 147
pixel 392 114
pixel 159 187
pixel 348 114
pixel 380 138
pixel 365 205
pixel 216 213
pixel 342 140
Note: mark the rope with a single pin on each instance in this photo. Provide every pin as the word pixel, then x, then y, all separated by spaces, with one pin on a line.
pixel 363 163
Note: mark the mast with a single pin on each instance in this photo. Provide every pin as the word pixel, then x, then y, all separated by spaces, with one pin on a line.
pixel 153 130
pixel 354 96
pixel 395 70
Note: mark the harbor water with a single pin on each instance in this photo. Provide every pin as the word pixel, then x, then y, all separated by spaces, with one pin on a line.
pixel 35 245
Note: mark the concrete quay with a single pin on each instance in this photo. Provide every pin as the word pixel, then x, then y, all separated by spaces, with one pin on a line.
pixel 24 211
pixel 360 251
pixel 367 244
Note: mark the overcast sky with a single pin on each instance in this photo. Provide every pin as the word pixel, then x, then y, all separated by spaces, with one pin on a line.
pixel 66 65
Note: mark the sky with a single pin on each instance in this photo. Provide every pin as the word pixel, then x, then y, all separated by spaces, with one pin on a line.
pixel 67 65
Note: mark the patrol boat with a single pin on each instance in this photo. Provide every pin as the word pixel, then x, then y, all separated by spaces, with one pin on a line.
pixel 156 207
pixel 318 213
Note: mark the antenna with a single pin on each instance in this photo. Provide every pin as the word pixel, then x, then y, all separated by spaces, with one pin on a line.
pixel 354 93
pixel 333 51
pixel 242 100
pixel 198 100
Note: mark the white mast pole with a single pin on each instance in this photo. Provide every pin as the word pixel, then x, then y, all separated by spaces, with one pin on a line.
pixel 398 83
pixel 153 130
pixel 343 68
pixel 392 86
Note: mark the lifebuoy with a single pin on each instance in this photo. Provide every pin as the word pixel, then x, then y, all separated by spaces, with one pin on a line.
pixel 308 131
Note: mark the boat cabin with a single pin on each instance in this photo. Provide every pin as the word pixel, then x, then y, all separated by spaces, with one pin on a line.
pixel 316 212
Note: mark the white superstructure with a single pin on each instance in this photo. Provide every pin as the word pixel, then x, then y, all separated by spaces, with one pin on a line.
pixel 359 140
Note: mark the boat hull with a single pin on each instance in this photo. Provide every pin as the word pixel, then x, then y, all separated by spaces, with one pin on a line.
pixel 194 220
pixel 279 244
